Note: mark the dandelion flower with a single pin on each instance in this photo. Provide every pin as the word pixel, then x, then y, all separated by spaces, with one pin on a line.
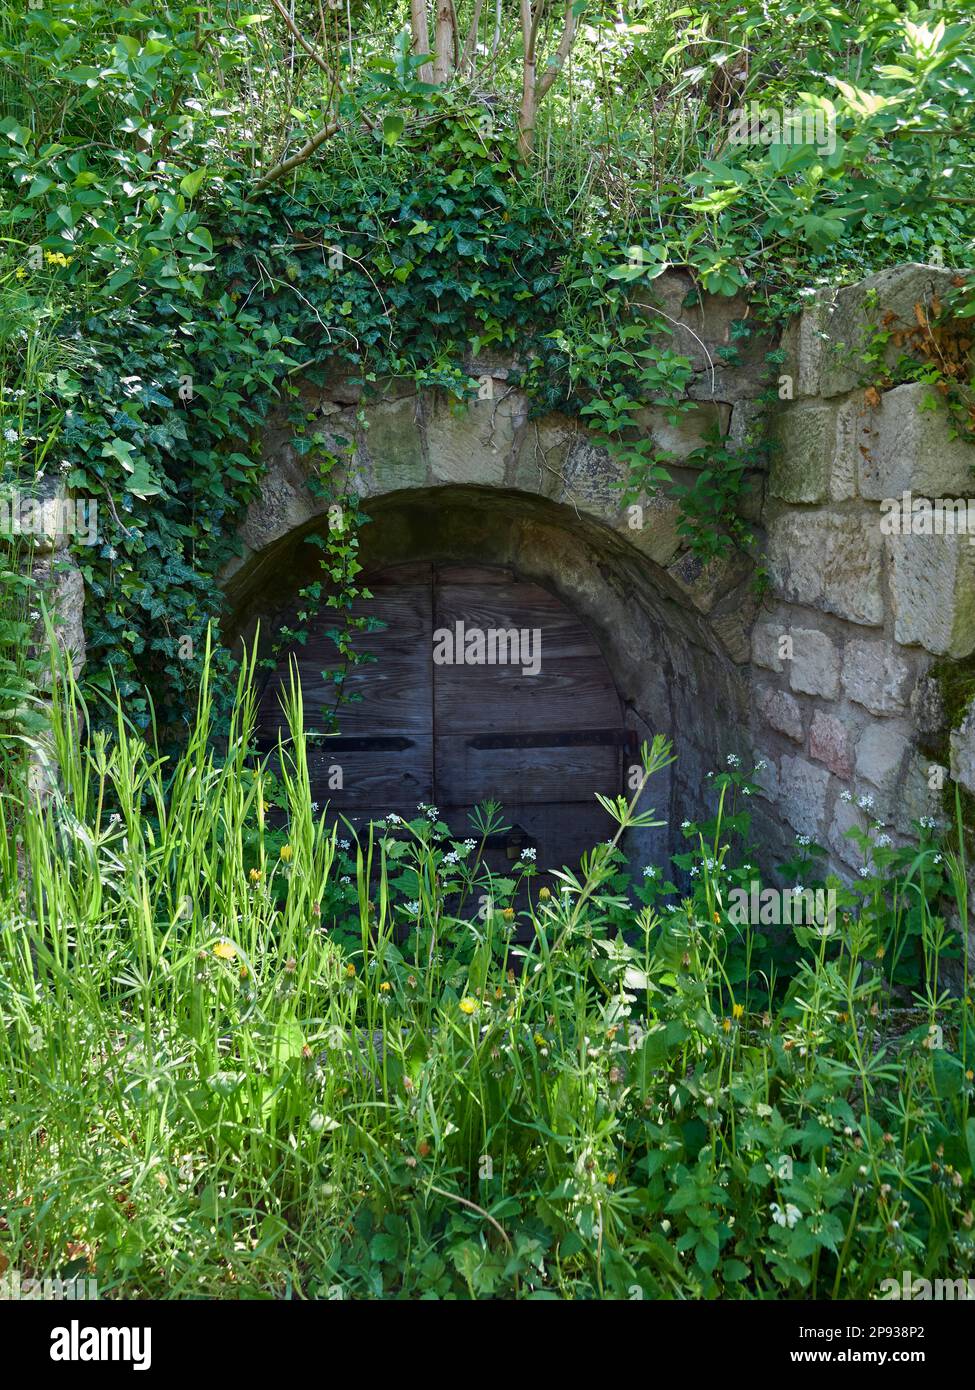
pixel 468 1005
pixel 223 950
pixel 286 853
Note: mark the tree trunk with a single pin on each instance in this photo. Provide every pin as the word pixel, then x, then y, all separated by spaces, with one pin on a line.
pixel 534 91
pixel 421 36
pixel 526 112
pixel 445 41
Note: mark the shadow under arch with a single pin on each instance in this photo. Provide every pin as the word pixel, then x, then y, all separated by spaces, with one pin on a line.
pixel 672 672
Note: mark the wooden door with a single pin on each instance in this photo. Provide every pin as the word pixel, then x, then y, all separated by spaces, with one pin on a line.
pixel 455 733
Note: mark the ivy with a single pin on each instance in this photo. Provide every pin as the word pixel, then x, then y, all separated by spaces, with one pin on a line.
pixel 182 298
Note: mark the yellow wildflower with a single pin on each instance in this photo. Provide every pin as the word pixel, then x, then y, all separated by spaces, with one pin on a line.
pixel 738 1010
pixel 468 1005
pixel 350 971
pixel 544 894
pixel 286 852
pixel 255 875
pixel 610 1179
pixel 223 950
pixel 385 987
pixel 726 1024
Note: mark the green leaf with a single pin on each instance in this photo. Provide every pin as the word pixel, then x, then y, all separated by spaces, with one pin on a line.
pixel 393 127
pixel 190 184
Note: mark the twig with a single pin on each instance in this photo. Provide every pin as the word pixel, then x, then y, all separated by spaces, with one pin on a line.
pixel 453 1197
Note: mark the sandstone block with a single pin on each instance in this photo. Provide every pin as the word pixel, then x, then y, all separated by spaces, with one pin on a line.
pixel 830 561
pixel 781 711
pixel 471 444
pixel 907 447
pixel 932 582
pixel 803 787
pixel 829 743
pixel 815 666
pixel 802 457
pixel 876 676
pixel 881 750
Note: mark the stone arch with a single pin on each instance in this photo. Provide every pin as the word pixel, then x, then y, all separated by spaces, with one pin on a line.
pixel 845 715
pixel 672 667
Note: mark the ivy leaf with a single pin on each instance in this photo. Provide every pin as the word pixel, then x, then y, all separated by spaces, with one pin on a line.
pixel 142 483
pixel 120 450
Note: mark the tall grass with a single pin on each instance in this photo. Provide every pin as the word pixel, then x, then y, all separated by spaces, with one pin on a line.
pixel 225 1071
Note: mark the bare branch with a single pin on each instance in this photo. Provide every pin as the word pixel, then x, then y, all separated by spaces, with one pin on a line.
pixel 309 48
pixel 284 166
pixel 557 63
pixel 470 47
pixel 299 157
pixel 533 87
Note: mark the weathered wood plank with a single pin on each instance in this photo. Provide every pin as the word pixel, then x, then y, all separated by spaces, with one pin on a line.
pixel 466 774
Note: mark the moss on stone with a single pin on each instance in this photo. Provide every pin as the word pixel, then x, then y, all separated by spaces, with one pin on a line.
pixel 955 680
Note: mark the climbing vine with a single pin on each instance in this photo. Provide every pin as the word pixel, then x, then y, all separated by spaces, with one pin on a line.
pixel 186 297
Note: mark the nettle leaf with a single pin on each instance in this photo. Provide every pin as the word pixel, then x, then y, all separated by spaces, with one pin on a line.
pixel 393 127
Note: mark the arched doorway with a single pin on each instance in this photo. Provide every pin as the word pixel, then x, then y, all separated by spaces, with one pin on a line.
pixel 484 686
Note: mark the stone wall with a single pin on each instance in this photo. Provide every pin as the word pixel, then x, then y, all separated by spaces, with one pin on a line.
pixel 825 680
pixel 828 680
pixel 844 708
pixel 491 483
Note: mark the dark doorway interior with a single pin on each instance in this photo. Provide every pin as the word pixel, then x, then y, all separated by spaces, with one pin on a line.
pixel 453 734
